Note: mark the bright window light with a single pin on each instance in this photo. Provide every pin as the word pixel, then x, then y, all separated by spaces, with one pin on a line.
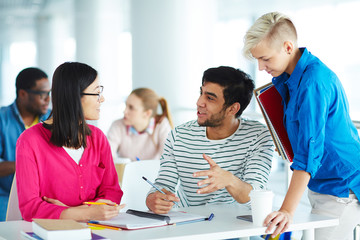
pixel 23 54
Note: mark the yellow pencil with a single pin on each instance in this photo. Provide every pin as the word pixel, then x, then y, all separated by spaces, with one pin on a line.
pixel 103 226
pixel 97 203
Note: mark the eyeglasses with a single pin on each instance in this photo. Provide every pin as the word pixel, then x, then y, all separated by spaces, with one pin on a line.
pixel 101 89
pixel 42 94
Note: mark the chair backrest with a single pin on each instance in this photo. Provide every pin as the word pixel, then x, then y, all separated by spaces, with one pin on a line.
pixel 13 212
pixel 135 188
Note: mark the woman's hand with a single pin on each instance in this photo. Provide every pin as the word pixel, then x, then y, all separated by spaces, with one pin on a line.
pixel 108 202
pixel 85 213
pixel 280 220
pixel 105 211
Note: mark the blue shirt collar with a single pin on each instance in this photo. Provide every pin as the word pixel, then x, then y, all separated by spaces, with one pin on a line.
pixel 16 112
pixel 295 77
pixel 292 81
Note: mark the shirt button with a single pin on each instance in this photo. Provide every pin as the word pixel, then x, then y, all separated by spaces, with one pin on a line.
pixel 81 187
pixel 80 165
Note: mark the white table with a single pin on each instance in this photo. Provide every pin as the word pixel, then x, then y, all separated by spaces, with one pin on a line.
pixel 223 226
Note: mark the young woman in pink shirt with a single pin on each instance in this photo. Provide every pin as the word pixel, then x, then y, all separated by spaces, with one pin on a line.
pixel 64 162
pixel 142 132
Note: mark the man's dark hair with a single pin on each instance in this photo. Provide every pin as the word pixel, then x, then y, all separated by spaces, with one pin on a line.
pixel 26 79
pixel 238 86
pixel 69 127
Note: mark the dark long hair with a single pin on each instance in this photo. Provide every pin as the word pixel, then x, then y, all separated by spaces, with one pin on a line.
pixel 69 127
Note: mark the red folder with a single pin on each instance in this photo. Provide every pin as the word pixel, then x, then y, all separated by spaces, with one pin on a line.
pixel 270 102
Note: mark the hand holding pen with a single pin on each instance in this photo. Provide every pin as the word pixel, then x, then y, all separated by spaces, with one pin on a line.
pixel 162 201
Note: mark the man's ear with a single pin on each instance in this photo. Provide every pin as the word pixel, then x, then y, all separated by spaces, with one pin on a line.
pixel 288 47
pixel 22 93
pixel 234 108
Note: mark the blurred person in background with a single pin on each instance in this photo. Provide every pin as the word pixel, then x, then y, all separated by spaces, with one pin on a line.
pixel 29 108
pixel 142 132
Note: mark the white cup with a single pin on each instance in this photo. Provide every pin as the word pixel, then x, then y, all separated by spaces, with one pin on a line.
pixel 261 205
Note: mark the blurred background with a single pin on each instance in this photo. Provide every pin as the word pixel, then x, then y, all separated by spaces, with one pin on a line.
pixel 166 44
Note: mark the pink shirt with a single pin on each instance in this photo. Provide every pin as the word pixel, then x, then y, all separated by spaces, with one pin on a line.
pixel 144 146
pixel 43 169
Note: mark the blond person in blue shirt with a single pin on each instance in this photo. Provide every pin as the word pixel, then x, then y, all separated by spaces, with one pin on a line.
pixel 316 115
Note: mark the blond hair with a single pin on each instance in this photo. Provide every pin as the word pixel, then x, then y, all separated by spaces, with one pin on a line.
pixel 151 100
pixel 274 27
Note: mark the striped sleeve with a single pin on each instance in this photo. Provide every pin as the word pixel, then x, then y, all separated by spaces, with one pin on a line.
pixel 258 165
pixel 168 175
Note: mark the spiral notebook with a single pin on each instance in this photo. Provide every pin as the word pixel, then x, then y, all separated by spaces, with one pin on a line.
pixel 133 219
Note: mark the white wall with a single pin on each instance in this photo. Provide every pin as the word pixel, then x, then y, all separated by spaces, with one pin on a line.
pixel 167 44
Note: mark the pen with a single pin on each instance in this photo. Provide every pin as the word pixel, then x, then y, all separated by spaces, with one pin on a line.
pixel 210 217
pixel 96 224
pixel 97 203
pixel 197 220
pixel 157 188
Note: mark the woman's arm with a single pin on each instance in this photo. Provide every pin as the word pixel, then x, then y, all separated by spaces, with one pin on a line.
pixel 94 212
pixel 85 213
pixel 282 218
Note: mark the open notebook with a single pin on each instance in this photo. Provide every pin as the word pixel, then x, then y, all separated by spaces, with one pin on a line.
pixel 133 219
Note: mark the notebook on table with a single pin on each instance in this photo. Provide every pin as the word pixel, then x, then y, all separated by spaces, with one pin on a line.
pixel 133 219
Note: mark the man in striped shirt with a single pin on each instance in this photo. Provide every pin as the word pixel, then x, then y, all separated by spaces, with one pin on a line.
pixel 220 157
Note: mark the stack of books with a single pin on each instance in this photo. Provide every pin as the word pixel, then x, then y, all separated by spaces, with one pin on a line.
pixel 59 229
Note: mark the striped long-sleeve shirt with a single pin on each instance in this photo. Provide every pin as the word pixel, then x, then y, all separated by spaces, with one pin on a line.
pixel 247 154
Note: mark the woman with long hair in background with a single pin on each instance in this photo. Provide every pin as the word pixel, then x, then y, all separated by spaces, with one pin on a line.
pixel 141 133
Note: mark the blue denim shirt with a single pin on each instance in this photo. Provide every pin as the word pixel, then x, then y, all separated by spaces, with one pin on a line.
pixel 324 140
pixel 11 126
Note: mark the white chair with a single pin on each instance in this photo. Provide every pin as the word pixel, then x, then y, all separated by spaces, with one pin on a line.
pixel 135 188
pixel 13 211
